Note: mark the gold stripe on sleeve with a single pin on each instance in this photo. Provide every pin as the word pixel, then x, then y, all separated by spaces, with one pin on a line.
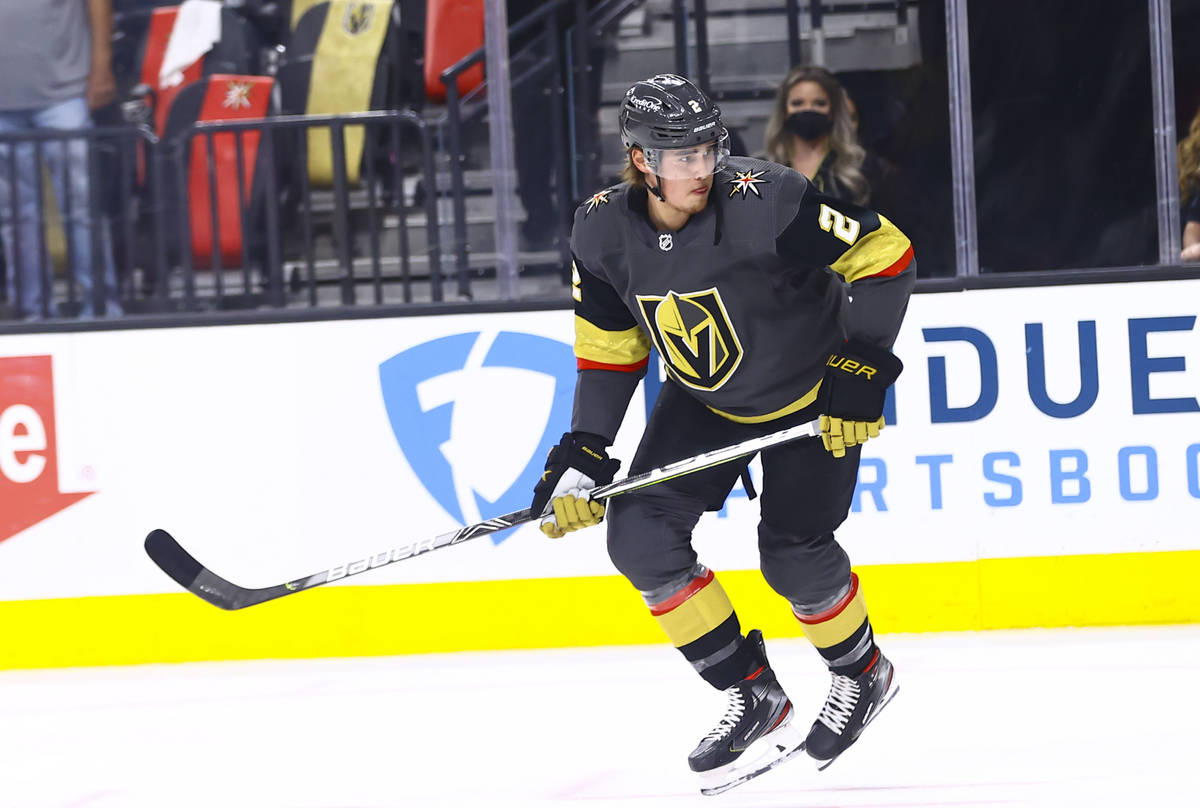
pixel 873 252
pixel 594 344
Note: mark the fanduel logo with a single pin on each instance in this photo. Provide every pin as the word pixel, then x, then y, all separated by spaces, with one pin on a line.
pixel 28 449
pixel 449 402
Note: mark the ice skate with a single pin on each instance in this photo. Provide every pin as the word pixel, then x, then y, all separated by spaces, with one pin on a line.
pixel 852 704
pixel 755 734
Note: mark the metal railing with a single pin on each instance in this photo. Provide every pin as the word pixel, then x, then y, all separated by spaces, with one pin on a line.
pixel 171 226
pixel 560 63
pixel 815 10
pixel 301 209
pixel 310 245
pixel 566 68
pixel 460 110
pixel 66 196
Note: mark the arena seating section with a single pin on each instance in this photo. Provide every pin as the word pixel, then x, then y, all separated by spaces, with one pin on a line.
pixel 291 58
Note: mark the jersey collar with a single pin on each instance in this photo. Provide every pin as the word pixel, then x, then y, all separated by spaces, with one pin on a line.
pixel 702 228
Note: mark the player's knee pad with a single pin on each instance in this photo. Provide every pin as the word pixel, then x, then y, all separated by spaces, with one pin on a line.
pixel 658 598
pixel 646 569
pixel 803 569
pixel 651 552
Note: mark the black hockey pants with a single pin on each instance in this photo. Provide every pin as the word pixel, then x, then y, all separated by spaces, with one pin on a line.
pixel 806 494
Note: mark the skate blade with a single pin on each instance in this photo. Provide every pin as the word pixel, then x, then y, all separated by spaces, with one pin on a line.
pixel 778 746
pixel 891 694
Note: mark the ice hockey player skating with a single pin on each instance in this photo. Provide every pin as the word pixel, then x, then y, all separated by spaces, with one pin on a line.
pixel 736 270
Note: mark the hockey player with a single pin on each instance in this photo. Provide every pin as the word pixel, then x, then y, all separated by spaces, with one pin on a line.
pixel 735 269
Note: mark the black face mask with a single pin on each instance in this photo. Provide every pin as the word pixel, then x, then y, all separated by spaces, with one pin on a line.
pixel 809 124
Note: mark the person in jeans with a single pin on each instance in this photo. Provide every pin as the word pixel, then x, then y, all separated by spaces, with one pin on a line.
pixel 55 68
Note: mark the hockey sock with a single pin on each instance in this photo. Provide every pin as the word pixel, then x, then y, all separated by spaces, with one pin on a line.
pixel 839 629
pixel 699 620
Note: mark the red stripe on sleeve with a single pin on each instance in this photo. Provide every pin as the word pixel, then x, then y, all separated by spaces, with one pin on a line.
pixel 895 269
pixel 680 597
pixel 588 364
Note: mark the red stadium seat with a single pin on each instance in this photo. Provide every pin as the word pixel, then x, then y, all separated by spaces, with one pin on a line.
pixel 220 97
pixel 162 22
pixel 234 53
pixel 453 29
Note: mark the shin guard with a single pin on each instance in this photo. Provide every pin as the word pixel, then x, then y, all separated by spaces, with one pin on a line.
pixel 699 620
pixel 839 629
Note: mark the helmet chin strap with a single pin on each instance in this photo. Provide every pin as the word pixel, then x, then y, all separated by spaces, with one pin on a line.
pixel 655 188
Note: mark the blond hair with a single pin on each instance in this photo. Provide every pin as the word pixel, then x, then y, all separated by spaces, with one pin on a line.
pixel 1189 161
pixel 630 172
pixel 848 155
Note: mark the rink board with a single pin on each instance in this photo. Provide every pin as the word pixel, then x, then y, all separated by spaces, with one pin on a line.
pixel 1090 590
pixel 1042 468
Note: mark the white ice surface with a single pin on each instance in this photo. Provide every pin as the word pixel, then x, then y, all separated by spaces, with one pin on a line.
pixel 1082 717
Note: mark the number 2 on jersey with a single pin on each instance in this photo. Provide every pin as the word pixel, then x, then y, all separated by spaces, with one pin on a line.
pixel 576 291
pixel 839 224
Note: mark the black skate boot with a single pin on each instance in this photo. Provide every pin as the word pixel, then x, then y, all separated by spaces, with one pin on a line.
pixel 754 735
pixel 852 703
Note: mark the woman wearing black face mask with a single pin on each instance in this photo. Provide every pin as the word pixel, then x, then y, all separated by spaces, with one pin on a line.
pixel 810 129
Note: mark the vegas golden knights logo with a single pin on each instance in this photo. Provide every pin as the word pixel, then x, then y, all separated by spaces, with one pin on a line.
pixel 693 333
pixel 358 17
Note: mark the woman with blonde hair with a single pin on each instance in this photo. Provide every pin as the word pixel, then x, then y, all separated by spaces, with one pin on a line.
pixel 1189 190
pixel 811 130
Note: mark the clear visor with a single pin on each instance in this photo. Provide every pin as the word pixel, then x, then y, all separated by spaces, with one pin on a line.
pixel 690 162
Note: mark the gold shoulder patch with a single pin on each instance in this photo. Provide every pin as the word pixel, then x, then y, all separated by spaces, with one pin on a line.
pixel 597 199
pixel 747 181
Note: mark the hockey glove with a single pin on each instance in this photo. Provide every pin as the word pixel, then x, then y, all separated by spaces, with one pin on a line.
pixel 853 391
pixel 574 467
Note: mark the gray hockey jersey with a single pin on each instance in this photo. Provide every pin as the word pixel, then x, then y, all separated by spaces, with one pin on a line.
pixel 744 303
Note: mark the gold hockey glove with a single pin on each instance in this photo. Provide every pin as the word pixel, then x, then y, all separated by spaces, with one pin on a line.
pixel 853 392
pixel 575 466
pixel 838 433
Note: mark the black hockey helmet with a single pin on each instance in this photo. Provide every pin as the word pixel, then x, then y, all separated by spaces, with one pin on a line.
pixel 670 112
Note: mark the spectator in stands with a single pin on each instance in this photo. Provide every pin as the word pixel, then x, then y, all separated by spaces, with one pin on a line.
pixel 55 68
pixel 811 130
pixel 1189 190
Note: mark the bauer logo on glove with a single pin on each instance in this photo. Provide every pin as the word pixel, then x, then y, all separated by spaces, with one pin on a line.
pixel 573 467
pixel 853 393
pixel 851 366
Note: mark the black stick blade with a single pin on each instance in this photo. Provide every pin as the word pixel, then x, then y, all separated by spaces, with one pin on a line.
pixel 172 559
pixel 193 576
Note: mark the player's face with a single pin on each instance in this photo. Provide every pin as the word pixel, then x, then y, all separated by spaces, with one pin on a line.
pixel 807 95
pixel 687 176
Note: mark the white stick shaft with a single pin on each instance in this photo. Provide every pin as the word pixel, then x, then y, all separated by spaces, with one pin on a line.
pixel 698 462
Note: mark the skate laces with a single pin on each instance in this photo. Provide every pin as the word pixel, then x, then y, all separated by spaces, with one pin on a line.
pixel 733 714
pixel 843 698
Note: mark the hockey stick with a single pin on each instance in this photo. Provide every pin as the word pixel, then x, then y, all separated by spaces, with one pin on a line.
pixel 193 576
